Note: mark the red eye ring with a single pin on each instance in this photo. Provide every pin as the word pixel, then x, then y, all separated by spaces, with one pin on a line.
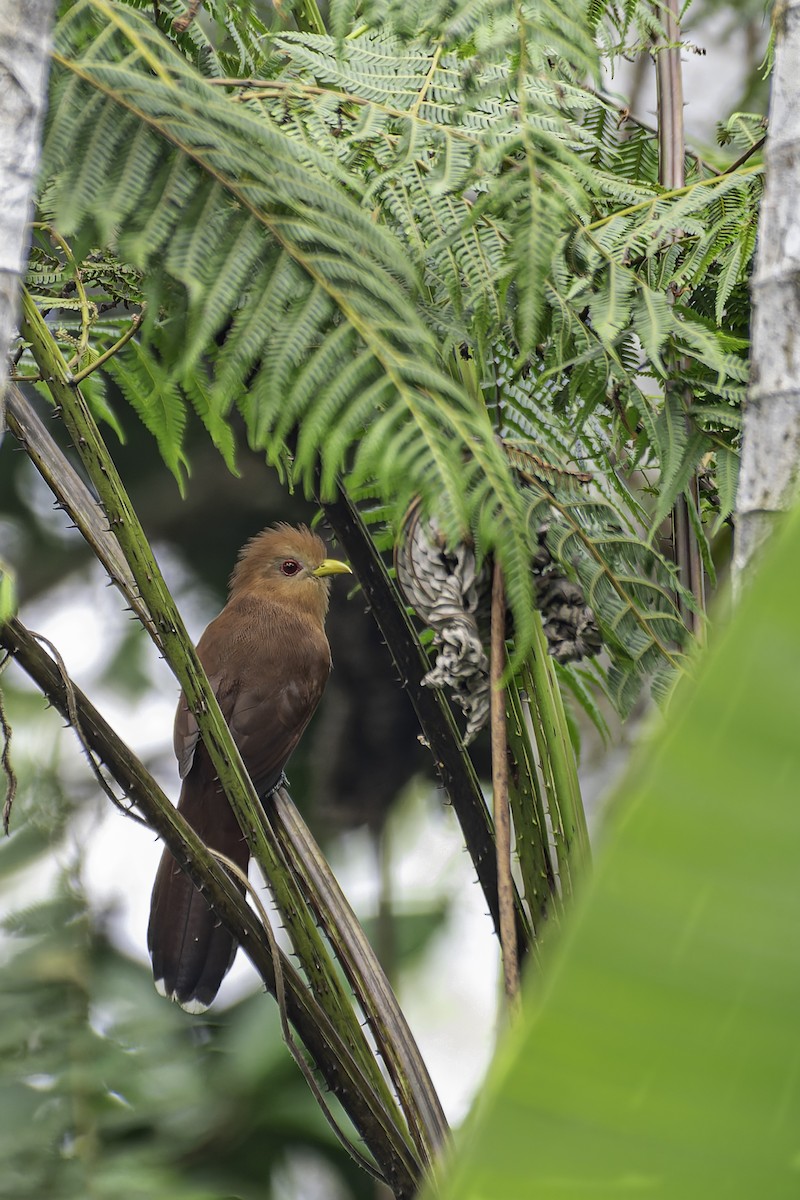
pixel 290 566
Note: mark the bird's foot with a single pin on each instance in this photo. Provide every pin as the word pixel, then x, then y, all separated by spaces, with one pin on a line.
pixel 283 782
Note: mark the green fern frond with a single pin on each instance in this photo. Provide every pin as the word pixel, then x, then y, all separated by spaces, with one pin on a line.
pixel 214 416
pixel 627 585
pixel 340 243
pixel 228 40
pixel 251 188
pixel 727 478
pixel 154 394
pixel 718 416
pixel 683 467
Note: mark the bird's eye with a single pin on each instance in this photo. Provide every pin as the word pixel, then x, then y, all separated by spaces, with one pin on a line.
pixel 290 566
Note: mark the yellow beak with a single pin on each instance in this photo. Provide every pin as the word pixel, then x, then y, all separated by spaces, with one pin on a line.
pixel 331 566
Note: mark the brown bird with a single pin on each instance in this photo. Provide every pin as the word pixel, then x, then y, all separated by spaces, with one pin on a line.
pixel 268 660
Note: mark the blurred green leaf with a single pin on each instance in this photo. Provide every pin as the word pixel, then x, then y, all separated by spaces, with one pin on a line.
pixel 659 1055
pixel 412 931
pixel 8 592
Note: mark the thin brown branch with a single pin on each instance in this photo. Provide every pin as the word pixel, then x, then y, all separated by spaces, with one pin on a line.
pixel 743 158
pixel 136 321
pixel 669 80
pixel 502 814
pixel 5 761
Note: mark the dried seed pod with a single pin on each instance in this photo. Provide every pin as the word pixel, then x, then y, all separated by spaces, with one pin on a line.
pixel 569 624
pixel 453 598
pixel 443 587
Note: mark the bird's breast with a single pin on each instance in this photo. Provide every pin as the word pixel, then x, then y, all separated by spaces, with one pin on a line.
pixel 271 665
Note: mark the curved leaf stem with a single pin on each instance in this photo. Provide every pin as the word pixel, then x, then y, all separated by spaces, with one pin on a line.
pixel 501 812
pixel 182 657
pixel 335 1060
pixel 671 193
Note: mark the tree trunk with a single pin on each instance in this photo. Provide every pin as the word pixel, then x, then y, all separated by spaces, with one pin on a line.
pixel 771 443
pixel 24 62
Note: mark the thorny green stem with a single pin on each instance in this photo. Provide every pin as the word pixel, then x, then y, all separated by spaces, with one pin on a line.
pixel 177 647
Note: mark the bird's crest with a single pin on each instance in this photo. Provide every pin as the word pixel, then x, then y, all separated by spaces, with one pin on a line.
pixel 277 544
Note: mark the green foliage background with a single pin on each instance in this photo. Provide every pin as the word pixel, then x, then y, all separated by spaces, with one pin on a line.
pixel 405 251
pixel 421 251
pixel 658 1056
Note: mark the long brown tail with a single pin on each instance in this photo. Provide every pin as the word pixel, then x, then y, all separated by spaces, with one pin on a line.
pixel 191 950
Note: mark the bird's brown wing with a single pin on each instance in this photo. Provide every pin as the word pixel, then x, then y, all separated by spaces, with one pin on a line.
pixel 267 721
pixel 186 733
pixel 268 670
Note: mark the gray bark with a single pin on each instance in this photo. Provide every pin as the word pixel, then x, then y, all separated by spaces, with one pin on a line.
pixel 24 61
pixel 768 477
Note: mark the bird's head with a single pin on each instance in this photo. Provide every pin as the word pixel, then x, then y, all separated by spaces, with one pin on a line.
pixel 290 565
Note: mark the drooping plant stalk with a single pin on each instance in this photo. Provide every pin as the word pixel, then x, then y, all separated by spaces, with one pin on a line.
pixel 340 1068
pixel 501 810
pixel 421 1105
pixel 558 765
pixel 302 854
pixel 529 811
pixel 551 837
pixel 425 1120
pixel 182 658
pixel 671 173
